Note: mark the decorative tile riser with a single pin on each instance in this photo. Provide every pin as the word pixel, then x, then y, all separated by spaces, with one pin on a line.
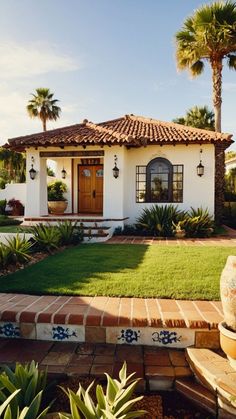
pixel 150 336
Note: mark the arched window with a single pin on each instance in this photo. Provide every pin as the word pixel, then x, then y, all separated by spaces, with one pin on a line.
pixel 159 180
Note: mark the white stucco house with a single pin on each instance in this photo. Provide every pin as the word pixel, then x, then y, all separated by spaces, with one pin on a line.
pixel 157 161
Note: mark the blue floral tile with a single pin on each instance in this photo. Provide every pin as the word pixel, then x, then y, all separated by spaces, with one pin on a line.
pixel 60 332
pixel 162 337
pixel 9 330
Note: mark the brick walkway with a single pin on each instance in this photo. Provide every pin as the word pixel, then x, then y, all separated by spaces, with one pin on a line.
pixel 154 365
pixel 109 312
pixel 214 241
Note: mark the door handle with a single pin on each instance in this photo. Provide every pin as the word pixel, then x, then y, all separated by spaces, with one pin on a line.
pixel 94 193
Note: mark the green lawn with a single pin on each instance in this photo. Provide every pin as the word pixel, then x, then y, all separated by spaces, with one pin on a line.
pixel 13 229
pixel 125 270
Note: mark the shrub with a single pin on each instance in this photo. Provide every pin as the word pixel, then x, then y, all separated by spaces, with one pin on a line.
pixel 4 256
pixel 56 190
pixel 115 403
pixel 198 223
pixel 31 383
pixel 5 221
pixel 70 232
pixel 3 204
pixel 158 220
pixel 46 237
pixel 17 207
pixel 19 249
pixel 128 230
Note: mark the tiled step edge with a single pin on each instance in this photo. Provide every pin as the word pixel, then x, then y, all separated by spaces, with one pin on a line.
pixel 197 394
pixel 215 373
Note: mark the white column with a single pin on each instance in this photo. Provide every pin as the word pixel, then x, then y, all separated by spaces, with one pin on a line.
pixel 36 190
pixel 113 188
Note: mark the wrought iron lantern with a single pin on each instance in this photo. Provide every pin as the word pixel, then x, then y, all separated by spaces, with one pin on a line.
pixel 63 173
pixel 32 171
pixel 115 169
pixel 200 167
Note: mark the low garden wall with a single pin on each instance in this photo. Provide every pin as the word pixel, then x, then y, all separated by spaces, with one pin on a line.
pixel 14 190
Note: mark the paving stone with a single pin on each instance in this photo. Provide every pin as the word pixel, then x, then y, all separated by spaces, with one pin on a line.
pixel 81 359
pixel 156 371
pixel 57 358
pixel 64 347
pixel 159 357
pixel 79 369
pixel 178 358
pixel 95 334
pixel 182 372
pixel 103 359
pixel 129 353
pixel 209 339
pixel 105 349
pixel 85 348
pixel 99 370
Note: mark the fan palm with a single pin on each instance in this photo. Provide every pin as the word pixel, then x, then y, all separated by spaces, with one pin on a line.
pixel 198 117
pixel 43 106
pixel 209 35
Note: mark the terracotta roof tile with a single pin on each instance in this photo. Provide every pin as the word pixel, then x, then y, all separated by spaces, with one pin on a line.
pixel 129 130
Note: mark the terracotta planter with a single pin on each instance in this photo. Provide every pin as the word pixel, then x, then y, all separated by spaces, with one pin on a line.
pixel 228 292
pixel 228 343
pixel 57 207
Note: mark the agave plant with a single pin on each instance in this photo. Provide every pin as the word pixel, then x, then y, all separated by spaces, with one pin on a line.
pixel 30 381
pixel 28 412
pixel 158 220
pixel 70 232
pixel 19 249
pixel 115 403
pixel 4 255
pixel 48 238
pixel 198 223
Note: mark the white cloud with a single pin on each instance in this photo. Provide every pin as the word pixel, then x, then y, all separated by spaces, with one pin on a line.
pixel 21 61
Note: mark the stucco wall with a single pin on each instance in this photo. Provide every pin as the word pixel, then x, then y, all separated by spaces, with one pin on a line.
pixel 119 199
pixel 14 190
pixel 197 191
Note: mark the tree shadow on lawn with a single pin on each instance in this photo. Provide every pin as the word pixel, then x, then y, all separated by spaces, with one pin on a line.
pixel 76 271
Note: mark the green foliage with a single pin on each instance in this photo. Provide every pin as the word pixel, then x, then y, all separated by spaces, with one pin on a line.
pixel 198 117
pixel 198 223
pixel 27 384
pixel 50 171
pixel 47 237
pixel 12 166
pixel 19 249
pixel 5 256
pixel 3 203
pixel 116 403
pixel 5 221
pixel 158 220
pixel 230 185
pixel 56 190
pixel 70 232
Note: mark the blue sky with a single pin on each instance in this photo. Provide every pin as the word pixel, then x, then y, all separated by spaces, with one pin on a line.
pixel 102 58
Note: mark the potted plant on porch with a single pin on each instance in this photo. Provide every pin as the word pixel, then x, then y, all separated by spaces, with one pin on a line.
pixel 57 203
pixel 228 297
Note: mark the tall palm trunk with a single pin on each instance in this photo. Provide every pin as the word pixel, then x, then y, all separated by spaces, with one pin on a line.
pixel 217 91
pixel 44 124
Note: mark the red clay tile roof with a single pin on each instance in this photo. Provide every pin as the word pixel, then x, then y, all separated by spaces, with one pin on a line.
pixel 129 130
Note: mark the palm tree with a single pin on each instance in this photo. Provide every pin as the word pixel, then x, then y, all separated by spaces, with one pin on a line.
pixel 209 35
pixel 198 117
pixel 43 106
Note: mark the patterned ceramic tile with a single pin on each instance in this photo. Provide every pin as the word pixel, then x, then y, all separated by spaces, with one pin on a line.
pixel 162 337
pixel 60 332
pixel 9 330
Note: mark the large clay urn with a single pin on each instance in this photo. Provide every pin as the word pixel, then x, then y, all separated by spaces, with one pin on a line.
pixel 228 298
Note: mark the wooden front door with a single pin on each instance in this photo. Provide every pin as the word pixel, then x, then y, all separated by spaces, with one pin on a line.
pixel 90 189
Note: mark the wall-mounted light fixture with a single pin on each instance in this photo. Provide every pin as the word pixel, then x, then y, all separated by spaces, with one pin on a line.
pixel 32 171
pixel 200 167
pixel 63 173
pixel 115 169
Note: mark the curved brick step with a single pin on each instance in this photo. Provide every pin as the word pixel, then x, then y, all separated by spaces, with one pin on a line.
pixel 215 373
pixel 197 394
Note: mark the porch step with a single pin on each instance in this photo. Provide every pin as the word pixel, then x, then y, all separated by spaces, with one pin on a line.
pixel 197 394
pixel 214 372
